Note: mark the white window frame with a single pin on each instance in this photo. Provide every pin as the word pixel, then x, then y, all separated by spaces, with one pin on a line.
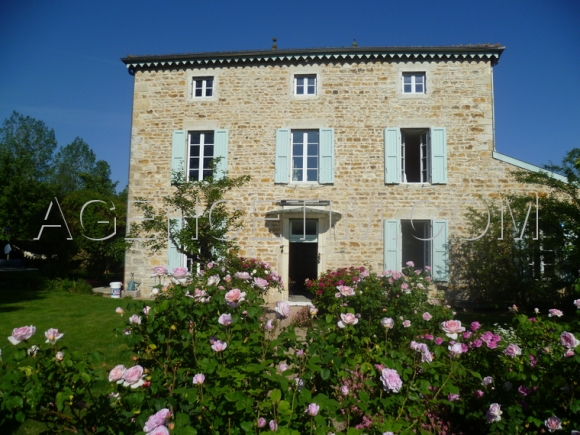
pixel 414 83
pixel 204 87
pixel 424 157
pixel 426 238
pixel 305 86
pixel 201 155
pixel 304 156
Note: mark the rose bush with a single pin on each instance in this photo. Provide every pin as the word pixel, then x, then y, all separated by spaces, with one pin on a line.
pixel 378 357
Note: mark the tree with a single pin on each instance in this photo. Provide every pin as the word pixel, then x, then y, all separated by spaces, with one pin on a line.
pixel 200 225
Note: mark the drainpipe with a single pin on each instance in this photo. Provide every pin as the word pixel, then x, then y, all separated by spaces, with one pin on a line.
pixel 492 109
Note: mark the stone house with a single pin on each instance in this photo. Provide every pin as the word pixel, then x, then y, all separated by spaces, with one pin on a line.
pixel 363 156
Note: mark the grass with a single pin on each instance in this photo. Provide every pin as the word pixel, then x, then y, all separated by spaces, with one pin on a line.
pixel 88 323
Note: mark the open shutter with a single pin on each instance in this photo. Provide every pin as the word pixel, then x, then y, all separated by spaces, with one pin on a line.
pixel 173 255
pixel 391 245
pixel 220 149
pixel 326 175
pixel 440 245
pixel 282 174
pixel 179 152
pixel 438 155
pixel 392 156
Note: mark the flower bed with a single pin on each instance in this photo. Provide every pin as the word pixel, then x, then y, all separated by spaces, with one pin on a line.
pixel 377 358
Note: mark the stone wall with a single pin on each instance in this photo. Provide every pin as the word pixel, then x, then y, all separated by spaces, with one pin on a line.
pixel 358 100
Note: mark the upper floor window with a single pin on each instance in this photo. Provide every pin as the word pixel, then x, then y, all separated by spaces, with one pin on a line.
pixel 413 83
pixel 202 87
pixel 305 156
pixel 305 84
pixel 200 155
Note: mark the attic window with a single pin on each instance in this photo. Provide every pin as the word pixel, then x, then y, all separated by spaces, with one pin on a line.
pixel 305 84
pixel 414 83
pixel 202 87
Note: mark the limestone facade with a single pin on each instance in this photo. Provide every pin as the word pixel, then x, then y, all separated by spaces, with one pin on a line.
pixel 359 94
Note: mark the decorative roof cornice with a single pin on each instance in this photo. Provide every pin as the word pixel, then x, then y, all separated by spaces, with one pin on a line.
pixel 342 54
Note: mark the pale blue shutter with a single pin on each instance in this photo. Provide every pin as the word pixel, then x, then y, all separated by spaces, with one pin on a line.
pixel 392 156
pixel 391 245
pixel 179 152
pixel 326 175
pixel 438 155
pixel 173 255
pixel 282 174
pixel 220 149
pixel 440 244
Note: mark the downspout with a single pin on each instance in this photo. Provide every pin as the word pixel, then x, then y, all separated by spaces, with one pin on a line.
pixel 492 108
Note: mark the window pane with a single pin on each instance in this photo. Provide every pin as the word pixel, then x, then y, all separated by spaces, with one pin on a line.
pixel 198 92
pixel 312 175
pixel 194 150
pixel 209 83
pixel 198 84
pixel 297 162
pixel 313 149
pixel 299 90
pixel 208 138
pixel 313 137
pixel 311 90
pixel 208 151
pixel 419 78
pixel 194 163
pixel 407 79
pixel 407 89
pixel 195 137
pixel 311 81
pixel 312 162
pixel 419 88
pixel 207 163
pixel 300 81
pixel 208 92
pixel 297 175
pixel 206 174
pixel 194 175
pixel 310 227
pixel 297 149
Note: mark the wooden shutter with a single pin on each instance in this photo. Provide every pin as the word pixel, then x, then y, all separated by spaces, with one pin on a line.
pixel 282 174
pixel 438 142
pixel 326 152
pixel 392 156
pixel 179 151
pixel 220 149
pixel 173 255
pixel 440 245
pixel 391 245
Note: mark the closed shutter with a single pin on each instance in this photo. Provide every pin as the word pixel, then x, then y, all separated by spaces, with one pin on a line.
pixel 326 175
pixel 282 174
pixel 174 257
pixel 440 245
pixel 179 152
pixel 220 149
pixel 391 245
pixel 392 156
pixel 438 155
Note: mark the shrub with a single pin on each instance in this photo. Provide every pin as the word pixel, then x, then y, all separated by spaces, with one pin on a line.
pixel 70 286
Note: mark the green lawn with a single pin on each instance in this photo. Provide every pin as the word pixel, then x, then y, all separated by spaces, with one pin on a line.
pixel 88 323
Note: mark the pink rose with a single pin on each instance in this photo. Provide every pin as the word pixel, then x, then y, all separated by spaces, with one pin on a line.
pixel 59 356
pixel 456 349
pixel 156 420
pixel 494 413
pixel 344 390
pixel 453 397
pixel 488 380
pixel 568 340
pixel 555 312
pixel 21 334
pixel 347 319
pixel 427 316
pixel 553 423
pixel 577 303
pixel 452 328
pixel 270 324
pixel 410 264
pixel 282 309
pixel 243 275
pixel 135 319
pixel 391 380
pixel 213 280
pixel 273 425
pixel 146 310
pixel 52 335
pixel 180 272
pixel 120 311
pixel 407 323
pixel 159 430
pixel 345 291
pixel 133 377
pixel 261 422
pixel 198 379
pixel 219 346
pixel 513 350
pixel 260 283
pixel 225 319
pixel 234 297
pixel 387 322
pixel 116 375
pixel 312 409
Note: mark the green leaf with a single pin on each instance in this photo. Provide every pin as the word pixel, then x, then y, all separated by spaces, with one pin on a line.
pixel 324 374
pixel 275 395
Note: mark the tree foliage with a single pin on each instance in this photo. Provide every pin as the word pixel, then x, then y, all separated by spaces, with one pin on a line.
pixel 199 222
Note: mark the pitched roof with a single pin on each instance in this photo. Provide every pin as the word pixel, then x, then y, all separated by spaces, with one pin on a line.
pixel 460 52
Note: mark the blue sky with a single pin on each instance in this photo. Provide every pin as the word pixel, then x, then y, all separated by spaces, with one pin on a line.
pixel 60 59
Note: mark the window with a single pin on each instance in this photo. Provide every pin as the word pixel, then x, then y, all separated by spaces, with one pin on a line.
pixel 200 155
pixel 305 84
pixel 304 156
pixel 424 242
pixel 193 152
pixel 415 155
pixel 202 87
pixel 414 83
